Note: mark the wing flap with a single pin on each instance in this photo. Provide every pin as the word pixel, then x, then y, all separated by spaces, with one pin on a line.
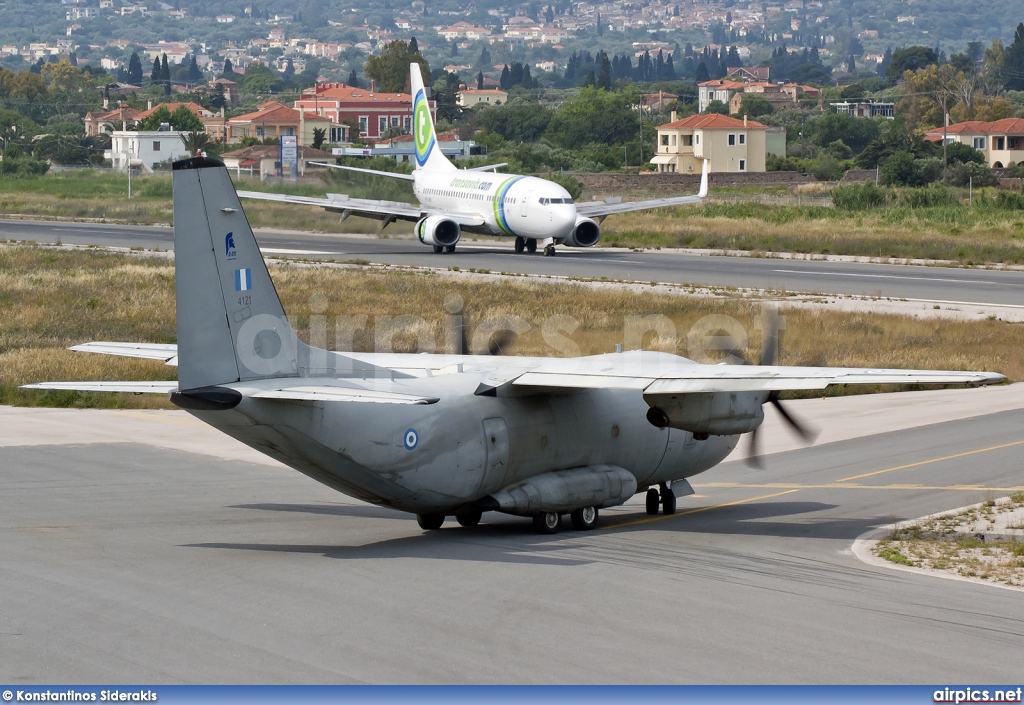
pixel 347 394
pixel 130 387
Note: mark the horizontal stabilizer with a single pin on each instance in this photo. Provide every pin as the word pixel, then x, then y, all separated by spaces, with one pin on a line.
pixel 487 167
pixel 147 351
pixel 130 387
pixel 329 393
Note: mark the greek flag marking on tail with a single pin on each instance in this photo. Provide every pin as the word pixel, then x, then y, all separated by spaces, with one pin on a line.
pixel 243 279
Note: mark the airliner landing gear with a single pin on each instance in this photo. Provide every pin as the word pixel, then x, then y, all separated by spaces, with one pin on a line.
pixel 549 251
pixel 469 519
pixel 520 244
pixel 531 245
pixel 450 249
pixel 584 519
pixel 653 501
pixel 438 249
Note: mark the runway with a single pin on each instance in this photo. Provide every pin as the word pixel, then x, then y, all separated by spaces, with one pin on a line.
pixel 929 284
pixel 137 562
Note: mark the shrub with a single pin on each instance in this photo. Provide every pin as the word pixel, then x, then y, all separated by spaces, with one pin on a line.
pixel 858 197
pixel 973 173
pixel 901 169
pixel 933 196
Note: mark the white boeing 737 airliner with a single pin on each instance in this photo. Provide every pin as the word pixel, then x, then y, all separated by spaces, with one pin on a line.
pixel 453 200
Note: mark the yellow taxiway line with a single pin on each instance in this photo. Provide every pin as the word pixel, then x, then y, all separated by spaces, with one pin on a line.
pixel 933 460
pixel 697 510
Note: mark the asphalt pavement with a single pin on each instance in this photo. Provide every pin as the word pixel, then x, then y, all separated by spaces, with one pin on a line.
pixel 127 563
pixel 930 284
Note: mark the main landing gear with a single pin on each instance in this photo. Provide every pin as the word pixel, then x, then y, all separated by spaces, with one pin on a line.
pixel 664 500
pixel 525 244
pixel 438 249
pixel 583 519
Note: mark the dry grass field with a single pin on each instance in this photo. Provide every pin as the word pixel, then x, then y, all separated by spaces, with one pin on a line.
pixel 53 298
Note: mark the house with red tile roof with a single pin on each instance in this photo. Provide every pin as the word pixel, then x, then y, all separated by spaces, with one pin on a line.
pixel 1001 141
pixel 372 111
pixel 730 144
pixel 275 120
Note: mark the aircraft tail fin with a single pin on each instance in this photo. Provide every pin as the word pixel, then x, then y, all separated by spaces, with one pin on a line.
pixel 231 324
pixel 428 152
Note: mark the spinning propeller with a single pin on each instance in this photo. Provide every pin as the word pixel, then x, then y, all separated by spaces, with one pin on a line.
pixel 770 356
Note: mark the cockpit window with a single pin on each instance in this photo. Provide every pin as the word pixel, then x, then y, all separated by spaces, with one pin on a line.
pixel 546 201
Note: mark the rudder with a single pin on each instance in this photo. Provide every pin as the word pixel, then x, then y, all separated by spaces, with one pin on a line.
pixel 428 153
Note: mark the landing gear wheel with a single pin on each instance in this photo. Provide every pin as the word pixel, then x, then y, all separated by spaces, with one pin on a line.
pixel 547 522
pixel 584 519
pixel 668 500
pixel 653 501
pixel 450 249
pixel 520 244
pixel 470 519
pixel 531 246
pixel 549 251
pixel 430 522
pixel 438 249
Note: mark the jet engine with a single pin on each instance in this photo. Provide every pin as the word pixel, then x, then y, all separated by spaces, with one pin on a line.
pixel 717 414
pixel 438 231
pixel 586 233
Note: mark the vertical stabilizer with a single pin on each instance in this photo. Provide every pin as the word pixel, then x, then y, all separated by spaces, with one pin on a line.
pixel 428 153
pixel 231 325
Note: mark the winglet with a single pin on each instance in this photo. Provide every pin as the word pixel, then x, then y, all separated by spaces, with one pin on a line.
pixel 428 152
pixel 704 179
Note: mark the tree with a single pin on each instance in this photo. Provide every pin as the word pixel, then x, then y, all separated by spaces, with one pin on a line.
pixel 135 70
pixel 229 70
pixel 594 116
pixel 155 119
pixel 484 62
pixel 319 137
pixel 154 76
pixel 717 106
pixel 901 170
pixel 480 81
pixel 390 68
pixel 1011 69
pixel 910 59
pixel 702 73
pixel 353 81
pixel 184 120
pixel 755 105
pixel 505 81
pixel 963 153
pixel 414 46
pixel 196 142
pixel 289 71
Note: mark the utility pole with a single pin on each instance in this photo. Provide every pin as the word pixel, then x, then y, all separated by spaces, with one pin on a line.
pixel 640 165
pixel 945 126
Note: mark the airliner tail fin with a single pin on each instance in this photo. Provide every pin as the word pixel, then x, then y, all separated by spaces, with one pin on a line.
pixel 428 152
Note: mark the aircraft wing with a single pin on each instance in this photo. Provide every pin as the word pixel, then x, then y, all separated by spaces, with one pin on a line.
pixel 131 387
pixel 655 374
pixel 388 211
pixel 332 393
pixel 600 209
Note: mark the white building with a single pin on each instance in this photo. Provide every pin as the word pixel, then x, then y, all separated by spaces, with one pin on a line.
pixel 148 147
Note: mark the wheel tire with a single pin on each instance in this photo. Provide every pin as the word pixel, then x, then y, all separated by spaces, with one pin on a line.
pixel 471 519
pixel 430 522
pixel 520 245
pixel 653 501
pixel 668 501
pixel 584 519
pixel 549 251
pixel 438 249
pixel 547 522
pixel 531 246
pixel 450 249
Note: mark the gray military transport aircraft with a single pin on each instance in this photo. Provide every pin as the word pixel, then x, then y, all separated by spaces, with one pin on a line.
pixel 442 435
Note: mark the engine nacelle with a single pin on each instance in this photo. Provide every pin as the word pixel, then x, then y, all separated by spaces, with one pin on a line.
pixel 564 491
pixel 718 414
pixel 438 231
pixel 585 233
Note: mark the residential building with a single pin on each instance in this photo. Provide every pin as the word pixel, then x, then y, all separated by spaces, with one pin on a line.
pixel 372 112
pixel 123 117
pixel 265 160
pixel 488 96
pixel 730 144
pixel 717 89
pixel 1001 141
pixel 865 108
pixel 402 148
pixel 149 148
pixel 275 119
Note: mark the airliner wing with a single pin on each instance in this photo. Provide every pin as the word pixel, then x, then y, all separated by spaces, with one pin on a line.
pixel 340 203
pixel 389 211
pixel 598 209
pixel 374 172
